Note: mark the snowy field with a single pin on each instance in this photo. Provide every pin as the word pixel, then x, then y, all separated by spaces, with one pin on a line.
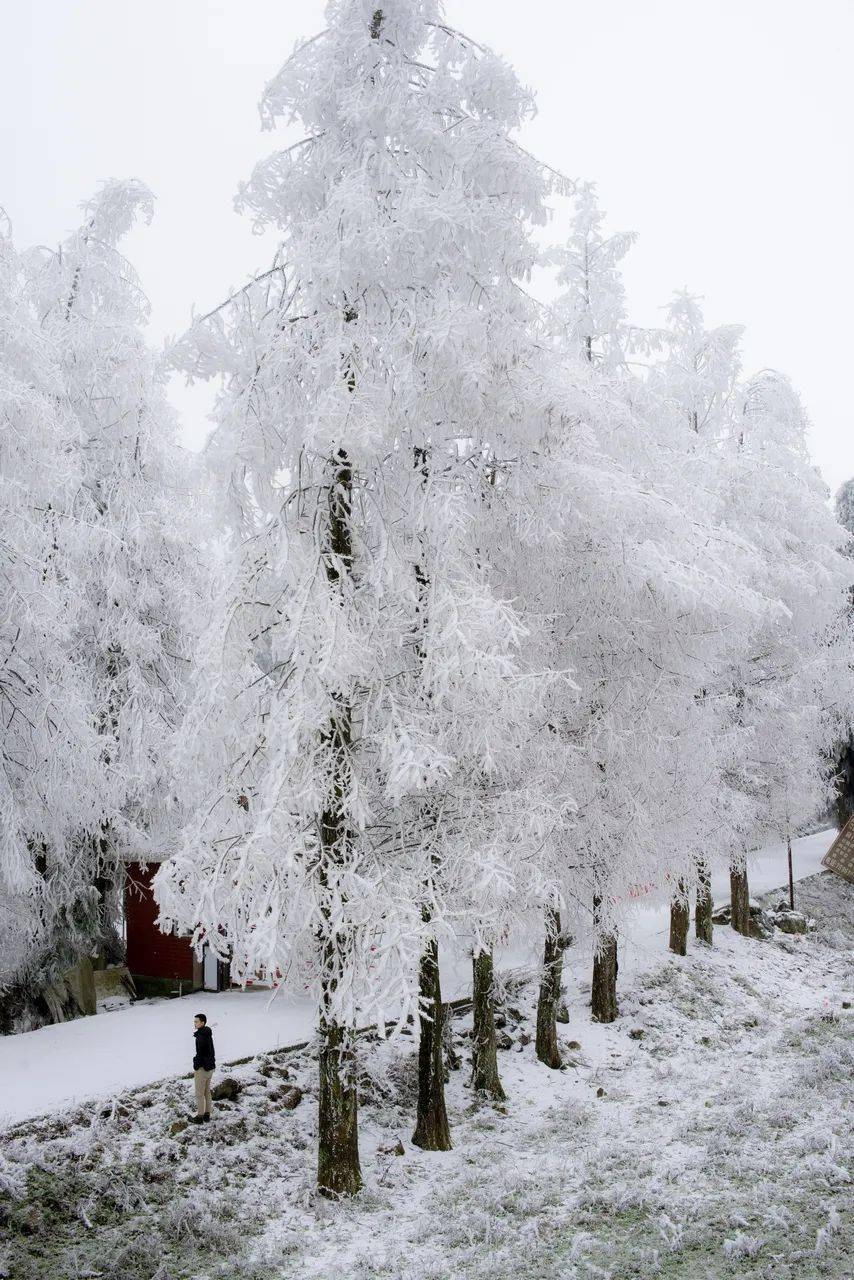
pixel 707 1133
pixel 95 1058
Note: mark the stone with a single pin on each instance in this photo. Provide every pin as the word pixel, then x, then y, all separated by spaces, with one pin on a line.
pixel 178 1127
pixel 227 1090
pixel 500 1020
pixel 573 1044
pixel 113 981
pixel 562 1013
pixel 72 994
pixel 81 981
pixel 290 1097
pixel 523 1038
pixel 600 1092
pixel 503 1040
pixel 397 1150
pixel 637 1033
pixel 761 923
pixel 722 914
pixel 515 1015
pixel 790 921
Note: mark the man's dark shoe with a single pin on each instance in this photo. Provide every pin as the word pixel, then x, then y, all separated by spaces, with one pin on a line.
pixel 197 1120
pixel 207 1117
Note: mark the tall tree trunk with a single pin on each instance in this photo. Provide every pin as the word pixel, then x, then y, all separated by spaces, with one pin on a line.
pixel 603 995
pixel 431 1126
pixel 791 868
pixel 703 927
pixel 740 897
pixel 551 977
pixel 338 1169
pixel 484 1060
pixel 680 918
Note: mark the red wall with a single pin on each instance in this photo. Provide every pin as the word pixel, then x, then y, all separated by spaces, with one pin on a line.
pixel 151 954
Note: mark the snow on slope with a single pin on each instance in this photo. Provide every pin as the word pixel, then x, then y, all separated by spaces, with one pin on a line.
pixel 95 1058
pixel 705 1135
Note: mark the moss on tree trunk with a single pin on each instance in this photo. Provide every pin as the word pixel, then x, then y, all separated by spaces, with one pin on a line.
pixel 338 1170
pixel 551 977
pixel 484 1061
pixel 740 898
pixel 680 918
pixel 703 927
pixel 431 1127
pixel 603 993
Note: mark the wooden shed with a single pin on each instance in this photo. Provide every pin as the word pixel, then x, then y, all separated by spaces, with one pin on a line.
pixel 162 963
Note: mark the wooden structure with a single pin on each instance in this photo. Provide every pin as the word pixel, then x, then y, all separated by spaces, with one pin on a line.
pixel 162 963
pixel 840 856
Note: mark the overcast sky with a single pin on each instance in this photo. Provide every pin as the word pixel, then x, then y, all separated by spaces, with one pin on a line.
pixel 721 132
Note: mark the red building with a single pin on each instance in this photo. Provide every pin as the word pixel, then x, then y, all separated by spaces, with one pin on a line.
pixel 162 963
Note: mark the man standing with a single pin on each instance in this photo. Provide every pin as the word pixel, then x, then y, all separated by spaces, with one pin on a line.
pixel 204 1062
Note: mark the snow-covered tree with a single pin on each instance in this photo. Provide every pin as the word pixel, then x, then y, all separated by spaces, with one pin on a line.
pixel 359 684
pixel 791 690
pixel 49 782
pixel 769 685
pixel 696 385
pixel 591 305
pixel 649 593
pixel 137 573
pixel 845 749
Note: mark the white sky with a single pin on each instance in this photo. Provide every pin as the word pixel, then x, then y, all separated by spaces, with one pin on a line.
pixel 720 131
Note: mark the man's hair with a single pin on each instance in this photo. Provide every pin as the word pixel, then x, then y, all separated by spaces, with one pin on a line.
pixel 202 1018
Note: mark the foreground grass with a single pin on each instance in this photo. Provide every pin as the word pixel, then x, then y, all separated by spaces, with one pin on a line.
pixel 716 1143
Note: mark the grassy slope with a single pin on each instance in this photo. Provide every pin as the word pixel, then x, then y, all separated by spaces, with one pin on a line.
pixel 720 1146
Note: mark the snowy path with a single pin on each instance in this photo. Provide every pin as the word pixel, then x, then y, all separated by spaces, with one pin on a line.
pixel 55 1067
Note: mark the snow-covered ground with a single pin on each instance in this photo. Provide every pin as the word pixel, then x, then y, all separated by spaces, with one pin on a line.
pixel 705 1135
pixel 47 1070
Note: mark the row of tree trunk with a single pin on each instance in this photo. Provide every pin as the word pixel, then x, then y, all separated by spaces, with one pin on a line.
pixel 680 914
pixel 339 1172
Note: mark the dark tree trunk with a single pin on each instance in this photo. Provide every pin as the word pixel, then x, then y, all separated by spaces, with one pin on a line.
pixel 338 1169
pixel 791 870
pixel 680 918
pixel 703 927
pixel 484 1060
pixel 603 995
pixel 452 1058
pixel 740 897
pixel 431 1127
pixel 550 993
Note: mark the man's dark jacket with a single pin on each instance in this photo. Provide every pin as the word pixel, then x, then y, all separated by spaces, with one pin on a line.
pixel 204 1056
